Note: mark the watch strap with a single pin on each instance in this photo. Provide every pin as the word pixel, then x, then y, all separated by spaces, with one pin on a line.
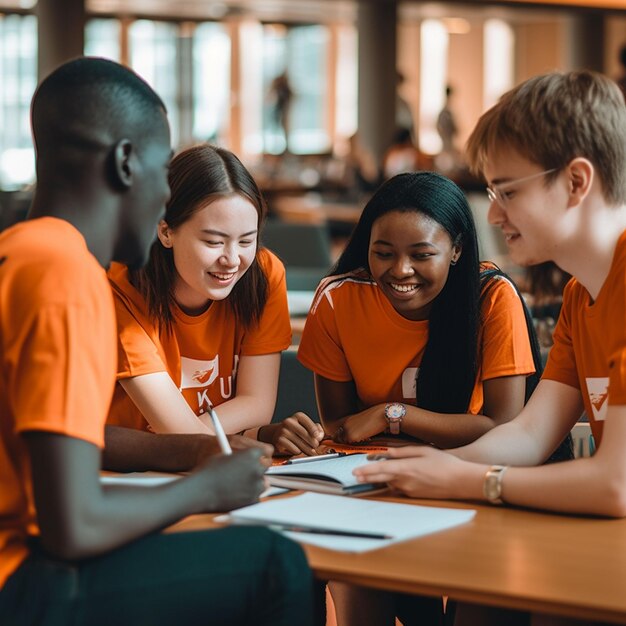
pixel 394 426
pixel 492 484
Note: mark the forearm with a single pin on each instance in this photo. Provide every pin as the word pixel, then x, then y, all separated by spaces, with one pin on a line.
pixel 159 507
pixel 584 486
pixel 579 487
pixel 159 400
pixel 593 485
pixel 244 412
pixel 79 519
pixel 441 430
pixel 129 450
pixel 507 444
pixel 534 434
pixel 445 430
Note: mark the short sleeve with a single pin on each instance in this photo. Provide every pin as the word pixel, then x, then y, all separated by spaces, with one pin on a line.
pixel 505 345
pixel 561 365
pixel 273 332
pixel 320 346
pixel 64 373
pixel 138 344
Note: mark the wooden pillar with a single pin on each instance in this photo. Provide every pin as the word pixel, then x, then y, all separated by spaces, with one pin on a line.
pixel 61 33
pixel 377 24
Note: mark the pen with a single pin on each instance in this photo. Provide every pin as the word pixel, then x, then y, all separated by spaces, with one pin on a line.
pixel 377 457
pixel 329 531
pixel 219 431
pixel 319 457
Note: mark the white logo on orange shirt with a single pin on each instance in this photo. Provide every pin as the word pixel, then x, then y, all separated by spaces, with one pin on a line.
pixel 598 390
pixel 196 373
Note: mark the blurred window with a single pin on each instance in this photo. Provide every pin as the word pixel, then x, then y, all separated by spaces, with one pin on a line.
pixel 433 72
pixel 153 55
pixel 18 79
pixel 102 38
pixel 301 53
pixel 498 60
pixel 347 85
pixel 211 81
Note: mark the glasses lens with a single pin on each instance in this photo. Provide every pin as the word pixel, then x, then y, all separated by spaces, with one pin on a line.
pixel 491 194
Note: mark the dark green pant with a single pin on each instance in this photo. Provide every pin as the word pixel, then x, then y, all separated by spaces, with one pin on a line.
pixel 227 577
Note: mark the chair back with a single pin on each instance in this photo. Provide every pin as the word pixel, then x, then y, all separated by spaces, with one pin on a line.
pixel 296 389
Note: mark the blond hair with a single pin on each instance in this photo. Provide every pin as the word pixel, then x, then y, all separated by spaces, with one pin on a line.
pixel 554 118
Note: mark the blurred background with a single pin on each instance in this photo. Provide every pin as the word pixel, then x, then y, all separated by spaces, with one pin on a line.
pixel 322 99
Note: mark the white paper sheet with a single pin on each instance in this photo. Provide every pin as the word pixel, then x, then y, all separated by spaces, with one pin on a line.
pixel 398 521
pixel 153 479
pixel 144 479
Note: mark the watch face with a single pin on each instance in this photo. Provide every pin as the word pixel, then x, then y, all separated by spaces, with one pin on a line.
pixel 395 411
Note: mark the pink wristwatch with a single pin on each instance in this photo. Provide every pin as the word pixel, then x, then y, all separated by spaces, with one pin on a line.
pixel 394 413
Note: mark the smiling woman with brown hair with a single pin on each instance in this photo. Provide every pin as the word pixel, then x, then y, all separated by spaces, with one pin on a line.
pixel 204 323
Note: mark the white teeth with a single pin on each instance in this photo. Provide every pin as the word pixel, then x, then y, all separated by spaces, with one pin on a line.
pixel 222 276
pixel 403 288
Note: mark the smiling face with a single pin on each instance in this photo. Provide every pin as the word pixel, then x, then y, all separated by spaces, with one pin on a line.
pixel 533 219
pixel 409 258
pixel 212 250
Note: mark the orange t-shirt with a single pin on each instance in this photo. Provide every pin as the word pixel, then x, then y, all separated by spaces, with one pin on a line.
pixel 57 359
pixel 354 333
pixel 202 352
pixel 589 350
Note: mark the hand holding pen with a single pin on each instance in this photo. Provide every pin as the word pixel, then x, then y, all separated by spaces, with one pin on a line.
pixel 309 459
pixel 219 432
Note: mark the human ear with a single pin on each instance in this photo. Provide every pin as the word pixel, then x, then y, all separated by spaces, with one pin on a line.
pixel 457 248
pixel 580 173
pixel 163 233
pixel 122 163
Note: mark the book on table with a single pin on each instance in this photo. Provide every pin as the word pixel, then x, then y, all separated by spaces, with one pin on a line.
pixel 324 475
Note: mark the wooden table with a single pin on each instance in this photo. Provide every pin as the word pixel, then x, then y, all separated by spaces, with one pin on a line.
pixel 570 566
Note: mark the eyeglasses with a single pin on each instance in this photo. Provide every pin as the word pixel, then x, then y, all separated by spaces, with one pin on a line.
pixel 497 193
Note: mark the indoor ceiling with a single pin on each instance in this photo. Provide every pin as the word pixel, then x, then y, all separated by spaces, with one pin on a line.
pixel 331 10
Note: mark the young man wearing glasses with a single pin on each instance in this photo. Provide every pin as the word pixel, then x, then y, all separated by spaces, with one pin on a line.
pixel 553 151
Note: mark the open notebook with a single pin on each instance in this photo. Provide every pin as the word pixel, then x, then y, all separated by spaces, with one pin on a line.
pixel 333 475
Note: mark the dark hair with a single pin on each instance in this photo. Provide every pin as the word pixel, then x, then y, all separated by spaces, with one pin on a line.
pixel 85 105
pixel 565 450
pixel 448 370
pixel 198 176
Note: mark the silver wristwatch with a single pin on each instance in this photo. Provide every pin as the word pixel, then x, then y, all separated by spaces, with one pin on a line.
pixel 492 486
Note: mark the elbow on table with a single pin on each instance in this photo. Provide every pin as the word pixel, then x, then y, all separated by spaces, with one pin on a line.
pixel 614 497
